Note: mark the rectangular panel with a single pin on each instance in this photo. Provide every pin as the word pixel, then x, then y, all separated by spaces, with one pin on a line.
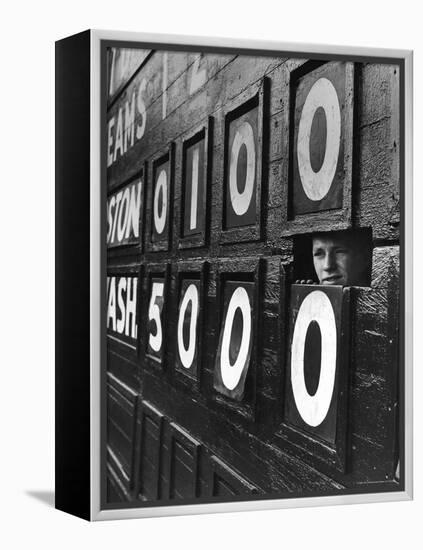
pixel 183 464
pixel 194 190
pixel 321 149
pixel 124 211
pixel 155 318
pixel 241 170
pixel 317 373
pixel 238 329
pixel 189 327
pixel 190 298
pixel 150 452
pixel 243 159
pixel 117 480
pixel 154 306
pixel 233 357
pixel 160 203
pixel 121 421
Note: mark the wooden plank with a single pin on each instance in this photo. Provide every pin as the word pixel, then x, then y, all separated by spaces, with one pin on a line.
pixel 183 460
pixel 270 467
pixel 374 399
pixel 151 426
pixel 117 491
pixel 377 203
pixel 121 423
pixel 123 367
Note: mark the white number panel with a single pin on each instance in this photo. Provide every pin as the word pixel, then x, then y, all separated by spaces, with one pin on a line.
pixel 318 363
pixel 322 143
pixel 188 329
pixel 194 188
pixel 236 339
pixel 241 203
pixel 242 161
pixel 160 202
pixel 155 319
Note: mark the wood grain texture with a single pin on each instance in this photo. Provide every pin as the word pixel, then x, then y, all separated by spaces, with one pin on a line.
pixel 122 65
pixel 377 200
pixel 121 430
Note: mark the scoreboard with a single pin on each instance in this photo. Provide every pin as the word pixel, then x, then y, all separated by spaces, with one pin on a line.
pixel 224 376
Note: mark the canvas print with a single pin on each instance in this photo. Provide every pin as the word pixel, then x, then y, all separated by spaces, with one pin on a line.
pixel 253 276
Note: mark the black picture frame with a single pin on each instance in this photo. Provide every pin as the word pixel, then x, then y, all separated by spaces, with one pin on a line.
pixel 155 241
pixel 188 239
pixel 154 274
pixel 256 100
pixel 192 272
pixel 90 482
pixel 329 446
pixel 241 400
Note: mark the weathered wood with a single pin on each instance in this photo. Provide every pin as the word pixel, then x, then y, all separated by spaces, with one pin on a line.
pixel 377 200
pixel 158 107
pixel 235 79
pixel 385 264
pixel 246 438
pixel 150 445
pixel 121 425
pixel 122 65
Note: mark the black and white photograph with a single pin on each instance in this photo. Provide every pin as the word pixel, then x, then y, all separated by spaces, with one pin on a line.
pixel 254 280
pixel 211 275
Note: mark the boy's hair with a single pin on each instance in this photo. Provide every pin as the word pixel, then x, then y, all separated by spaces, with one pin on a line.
pixel 354 238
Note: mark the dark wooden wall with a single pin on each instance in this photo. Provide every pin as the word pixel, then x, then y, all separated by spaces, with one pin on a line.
pixel 171 434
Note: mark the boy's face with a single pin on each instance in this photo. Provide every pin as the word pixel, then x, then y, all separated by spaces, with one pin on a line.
pixel 336 262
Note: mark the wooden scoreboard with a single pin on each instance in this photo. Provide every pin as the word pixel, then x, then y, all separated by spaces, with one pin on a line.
pixel 224 377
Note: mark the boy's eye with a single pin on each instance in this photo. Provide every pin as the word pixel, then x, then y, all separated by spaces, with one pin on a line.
pixel 318 253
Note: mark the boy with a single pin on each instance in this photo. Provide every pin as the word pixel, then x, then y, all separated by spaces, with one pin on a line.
pixel 340 258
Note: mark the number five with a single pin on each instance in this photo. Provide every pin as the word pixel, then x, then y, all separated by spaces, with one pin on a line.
pixel 155 340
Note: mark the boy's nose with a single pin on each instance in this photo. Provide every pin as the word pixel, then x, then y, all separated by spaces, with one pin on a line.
pixel 329 262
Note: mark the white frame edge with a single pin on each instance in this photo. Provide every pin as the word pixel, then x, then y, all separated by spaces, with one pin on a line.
pixel 95 301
